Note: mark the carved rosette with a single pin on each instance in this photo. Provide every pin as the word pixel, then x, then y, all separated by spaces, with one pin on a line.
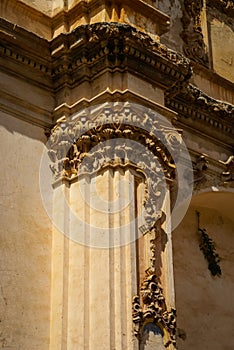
pixel 194 46
pixel 91 141
pixel 151 307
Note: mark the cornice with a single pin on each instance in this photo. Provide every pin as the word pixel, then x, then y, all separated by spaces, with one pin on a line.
pixel 207 114
pixel 115 45
pixel 213 77
pixel 112 96
pixel 87 51
pixel 226 6
pixel 26 111
pixel 24 54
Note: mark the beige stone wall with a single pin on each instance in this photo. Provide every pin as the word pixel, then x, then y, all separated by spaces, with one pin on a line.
pixel 221 38
pixel 205 303
pixel 25 250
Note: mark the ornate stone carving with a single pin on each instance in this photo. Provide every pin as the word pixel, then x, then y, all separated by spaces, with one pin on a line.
pixel 226 6
pixel 200 167
pixel 151 307
pixel 193 104
pixel 67 58
pixel 194 46
pixel 89 143
pixel 70 141
pixel 220 108
pixel 228 174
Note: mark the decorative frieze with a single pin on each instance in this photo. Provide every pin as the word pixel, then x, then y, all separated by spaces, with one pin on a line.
pixel 86 51
pixel 71 140
pixel 151 307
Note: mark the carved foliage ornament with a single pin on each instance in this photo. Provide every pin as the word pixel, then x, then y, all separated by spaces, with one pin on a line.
pixel 151 307
pixel 199 102
pixel 71 140
pixel 192 36
pixel 117 138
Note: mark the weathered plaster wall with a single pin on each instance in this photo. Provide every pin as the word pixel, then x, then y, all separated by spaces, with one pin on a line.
pixel 25 240
pixel 205 303
pixel 221 39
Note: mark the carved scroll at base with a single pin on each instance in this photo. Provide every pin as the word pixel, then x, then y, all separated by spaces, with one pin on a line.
pixel 151 307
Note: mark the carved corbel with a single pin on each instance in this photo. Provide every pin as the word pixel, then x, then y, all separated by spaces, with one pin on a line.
pixel 151 307
pixel 200 167
pixel 228 174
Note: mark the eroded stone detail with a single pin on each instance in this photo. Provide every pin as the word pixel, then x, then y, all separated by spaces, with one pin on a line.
pixel 228 174
pixel 227 6
pixel 90 142
pixel 200 168
pixel 151 307
pixel 82 48
pixel 72 140
pixel 194 46
pixel 220 108
pixel 190 102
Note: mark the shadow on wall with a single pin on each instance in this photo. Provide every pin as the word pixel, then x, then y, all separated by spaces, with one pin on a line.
pixel 152 338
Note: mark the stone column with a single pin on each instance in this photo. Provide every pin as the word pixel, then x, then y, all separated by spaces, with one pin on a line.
pixel 111 203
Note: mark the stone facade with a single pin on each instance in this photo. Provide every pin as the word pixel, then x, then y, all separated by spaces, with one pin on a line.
pixel 117 175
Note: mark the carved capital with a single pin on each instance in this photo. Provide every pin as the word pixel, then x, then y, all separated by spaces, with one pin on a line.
pixel 120 136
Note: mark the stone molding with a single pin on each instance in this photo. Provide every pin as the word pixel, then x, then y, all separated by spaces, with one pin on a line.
pixel 193 105
pixel 121 44
pixel 151 306
pixel 210 174
pixel 52 23
pixel 226 6
pixel 71 57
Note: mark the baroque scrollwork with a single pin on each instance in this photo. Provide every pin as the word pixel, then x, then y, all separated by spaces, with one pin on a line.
pixel 71 140
pixel 194 46
pixel 151 307
pixel 91 141
pixel 220 108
